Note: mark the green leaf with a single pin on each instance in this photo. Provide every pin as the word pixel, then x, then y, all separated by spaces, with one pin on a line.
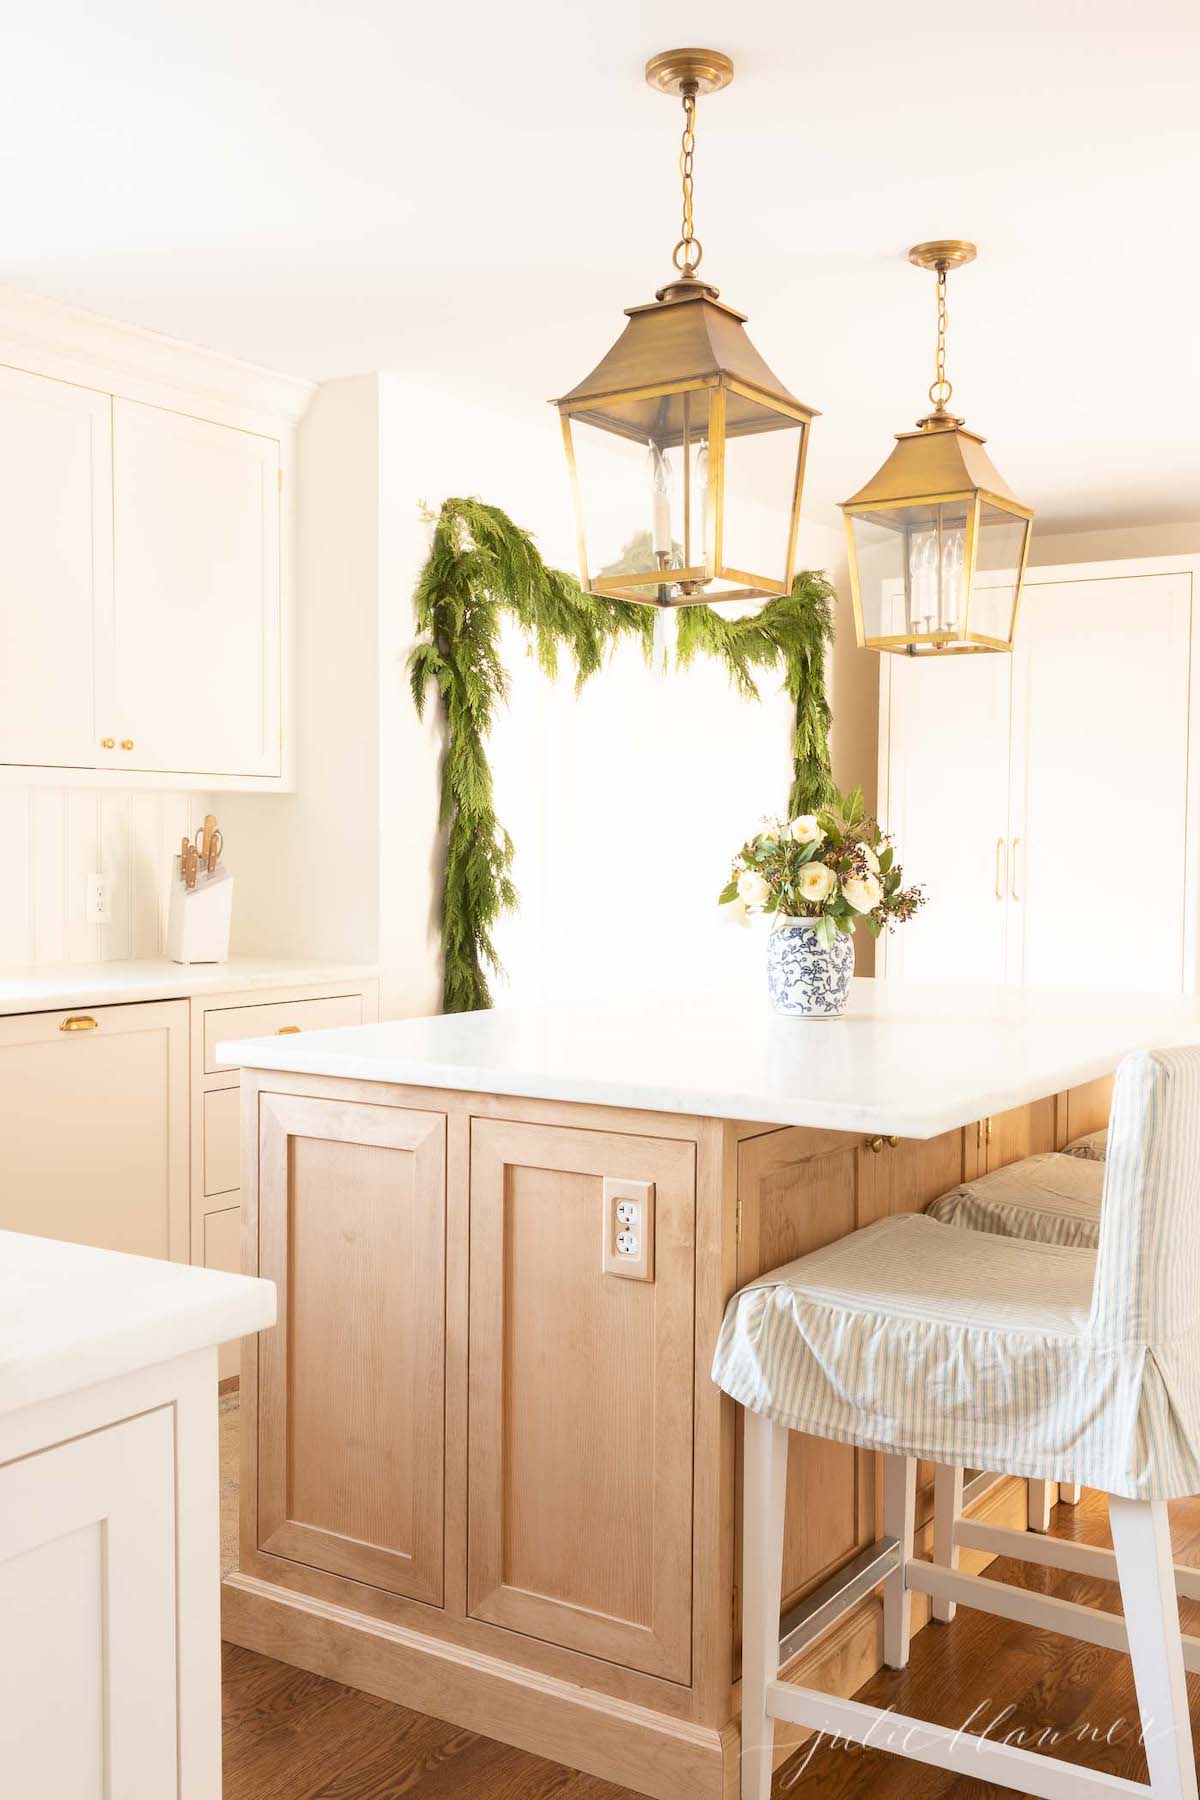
pixel 886 859
pixel 728 893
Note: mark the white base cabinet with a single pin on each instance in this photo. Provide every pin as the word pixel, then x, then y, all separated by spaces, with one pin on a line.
pixel 1049 802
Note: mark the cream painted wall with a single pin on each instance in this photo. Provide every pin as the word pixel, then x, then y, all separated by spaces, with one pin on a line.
pixel 1116 541
pixel 350 865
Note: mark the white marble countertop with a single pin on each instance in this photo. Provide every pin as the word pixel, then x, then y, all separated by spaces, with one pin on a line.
pixel 909 1060
pixel 71 1316
pixel 48 987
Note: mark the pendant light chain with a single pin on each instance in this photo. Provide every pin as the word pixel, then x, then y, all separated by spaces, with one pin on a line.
pixel 941 389
pixel 689 243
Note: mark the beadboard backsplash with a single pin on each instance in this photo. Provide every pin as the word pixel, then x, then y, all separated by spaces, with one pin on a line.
pixel 52 839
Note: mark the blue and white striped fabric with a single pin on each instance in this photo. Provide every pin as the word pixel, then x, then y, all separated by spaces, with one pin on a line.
pixel 1050 1197
pixel 1002 1353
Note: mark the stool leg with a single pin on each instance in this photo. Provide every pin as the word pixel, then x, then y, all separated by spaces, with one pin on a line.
pixel 764 1498
pixel 899 1521
pixel 1069 1492
pixel 947 1510
pixel 1039 1506
pixel 1142 1541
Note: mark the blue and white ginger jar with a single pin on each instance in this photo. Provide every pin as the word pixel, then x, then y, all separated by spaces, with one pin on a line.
pixel 804 979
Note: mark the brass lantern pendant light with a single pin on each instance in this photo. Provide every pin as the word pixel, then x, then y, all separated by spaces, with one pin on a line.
pixel 686 453
pixel 938 543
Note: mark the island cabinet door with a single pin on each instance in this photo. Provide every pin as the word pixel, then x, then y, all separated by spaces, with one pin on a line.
pixel 351 1227
pixel 581 1380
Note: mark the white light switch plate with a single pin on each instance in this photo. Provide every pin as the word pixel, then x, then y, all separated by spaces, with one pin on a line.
pixel 627 1244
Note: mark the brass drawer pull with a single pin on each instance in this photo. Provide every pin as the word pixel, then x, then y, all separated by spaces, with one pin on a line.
pixel 286 1030
pixel 875 1144
pixel 79 1022
pixel 127 743
pixel 108 743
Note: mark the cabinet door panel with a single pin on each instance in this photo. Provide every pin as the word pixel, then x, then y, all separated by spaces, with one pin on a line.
pixel 581 1385
pixel 947 805
pixel 56 558
pixel 93 1126
pixel 197 637
pixel 351 1226
pixel 87 1596
pixel 1101 745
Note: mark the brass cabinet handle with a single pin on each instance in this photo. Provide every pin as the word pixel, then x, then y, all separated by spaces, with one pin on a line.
pixel 108 743
pixel 1016 844
pixel 286 1030
pixel 999 878
pixel 892 1142
pixel 988 1130
pixel 127 743
pixel 874 1143
pixel 79 1022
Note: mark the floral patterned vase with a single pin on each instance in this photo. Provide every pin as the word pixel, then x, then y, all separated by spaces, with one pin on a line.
pixel 805 980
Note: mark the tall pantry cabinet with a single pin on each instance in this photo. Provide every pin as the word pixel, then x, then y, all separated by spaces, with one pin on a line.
pixel 143 549
pixel 1049 802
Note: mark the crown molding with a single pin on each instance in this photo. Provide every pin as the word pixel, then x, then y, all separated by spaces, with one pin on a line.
pixel 70 344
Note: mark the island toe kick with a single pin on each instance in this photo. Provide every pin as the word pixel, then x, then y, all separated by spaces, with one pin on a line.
pixel 484 1471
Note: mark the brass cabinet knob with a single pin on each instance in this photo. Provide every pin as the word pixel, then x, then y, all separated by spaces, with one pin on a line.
pixel 892 1142
pixel 875 1144
pixel 127 743
pixel 108 743
pixel 286 1030
pixel 80 1022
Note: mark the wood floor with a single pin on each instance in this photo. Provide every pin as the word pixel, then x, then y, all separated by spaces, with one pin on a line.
pixel 292 1736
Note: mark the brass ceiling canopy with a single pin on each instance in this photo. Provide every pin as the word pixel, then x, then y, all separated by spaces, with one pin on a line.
pixel 669 493
pixel 938 541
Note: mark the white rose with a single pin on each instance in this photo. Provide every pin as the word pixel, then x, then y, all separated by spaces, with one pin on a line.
pixel 863 892
pixel 805 830
pixel 735 912
pixel 816 883
pixel 752 888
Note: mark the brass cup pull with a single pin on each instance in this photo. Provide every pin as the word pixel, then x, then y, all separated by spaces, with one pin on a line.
pixel 127 743
pixel 286 1030
pixel 108 743
pixel 79 1022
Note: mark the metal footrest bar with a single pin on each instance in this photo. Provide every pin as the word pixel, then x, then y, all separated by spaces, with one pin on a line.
pixel 826 1604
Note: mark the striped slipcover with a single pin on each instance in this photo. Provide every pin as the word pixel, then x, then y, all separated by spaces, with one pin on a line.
pixel 1051 1197
pixel 1092 1148
pixel 1000 1353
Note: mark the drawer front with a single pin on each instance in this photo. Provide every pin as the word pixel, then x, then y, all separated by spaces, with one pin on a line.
pixel 223 1240
pixel 274 1017
pixel 222 1172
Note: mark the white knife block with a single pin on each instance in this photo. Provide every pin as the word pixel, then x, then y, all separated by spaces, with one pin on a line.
pixel 200 918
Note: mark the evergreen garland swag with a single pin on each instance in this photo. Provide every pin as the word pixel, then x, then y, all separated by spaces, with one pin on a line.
pixel 481 565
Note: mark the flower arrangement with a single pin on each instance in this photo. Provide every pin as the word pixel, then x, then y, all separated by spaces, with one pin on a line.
pixel 835 867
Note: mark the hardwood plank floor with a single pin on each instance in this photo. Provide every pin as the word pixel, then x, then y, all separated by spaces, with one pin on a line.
pixel 294 1736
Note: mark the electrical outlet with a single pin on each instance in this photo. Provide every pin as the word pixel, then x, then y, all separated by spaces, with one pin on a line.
pixel 627 1246
pixel 96 903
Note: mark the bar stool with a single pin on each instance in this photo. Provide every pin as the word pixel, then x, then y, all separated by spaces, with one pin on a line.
pixel 1009 1355
pixel 1054 1198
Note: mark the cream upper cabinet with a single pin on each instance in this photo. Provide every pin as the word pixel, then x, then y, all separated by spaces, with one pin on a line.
pixel 55 567
pixel 1018 787
pixel 196 639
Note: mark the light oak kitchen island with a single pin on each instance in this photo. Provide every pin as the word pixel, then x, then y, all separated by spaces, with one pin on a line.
pixel 484 1470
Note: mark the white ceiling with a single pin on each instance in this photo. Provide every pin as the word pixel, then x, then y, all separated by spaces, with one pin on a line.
pixel 472 192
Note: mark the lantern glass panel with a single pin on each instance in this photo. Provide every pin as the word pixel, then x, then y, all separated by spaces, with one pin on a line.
pixel 998 554
pixel 762 450
pixel 911 563
pixel 645 492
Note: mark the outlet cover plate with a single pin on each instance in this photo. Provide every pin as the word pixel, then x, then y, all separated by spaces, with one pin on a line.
pixel 640 1265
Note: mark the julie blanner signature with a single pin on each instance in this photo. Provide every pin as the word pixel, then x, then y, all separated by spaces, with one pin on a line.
pixel 904 1736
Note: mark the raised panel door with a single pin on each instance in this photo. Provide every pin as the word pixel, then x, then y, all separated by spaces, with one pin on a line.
pixel 351 1228
pixel 196 594
pixel 56 564
pixel 580 1397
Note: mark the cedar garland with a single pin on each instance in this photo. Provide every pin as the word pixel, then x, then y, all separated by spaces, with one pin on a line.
pixel 480 566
